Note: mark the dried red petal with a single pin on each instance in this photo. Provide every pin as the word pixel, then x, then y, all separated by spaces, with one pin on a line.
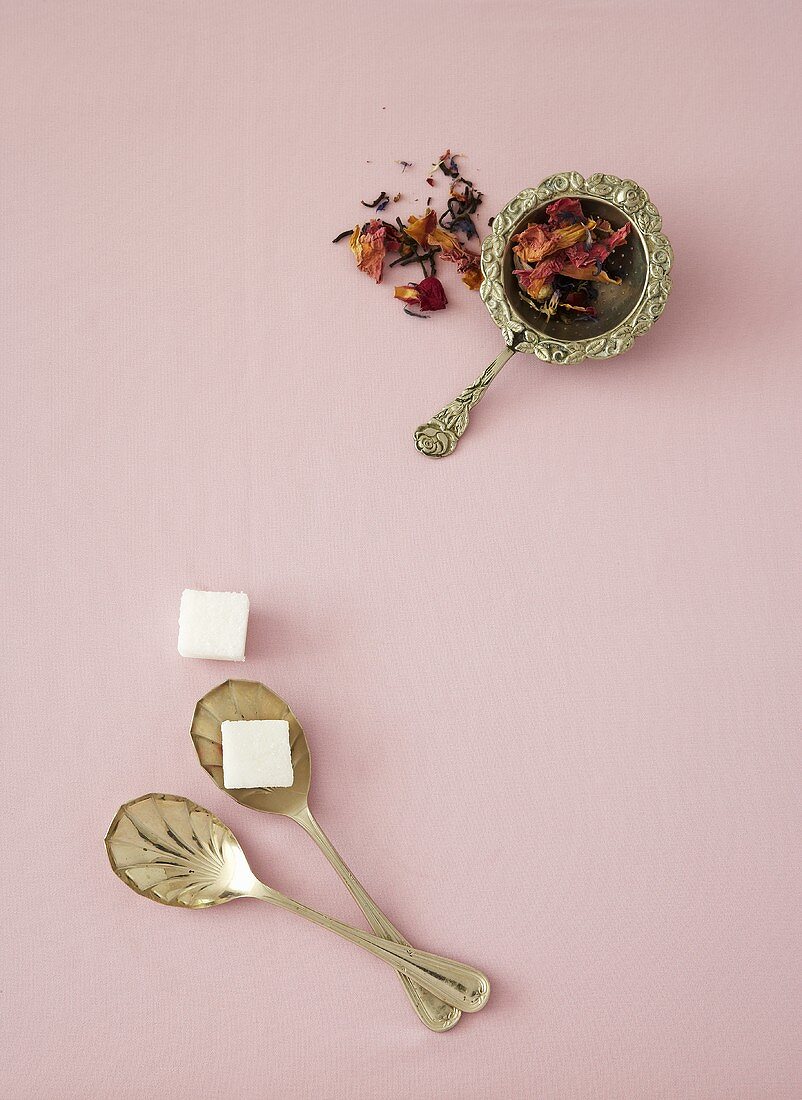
pixel 577 298
pixel 534 285
pixel 580 254
pixel 392 239
pixel 532 244
pixel 564 210
pixel 551 266
pixel 538 241
pixel 428 294
pixel 536 281
pixel 432 294
pixel 467 265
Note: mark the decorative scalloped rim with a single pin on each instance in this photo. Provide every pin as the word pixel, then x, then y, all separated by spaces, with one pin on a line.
pixel 634 204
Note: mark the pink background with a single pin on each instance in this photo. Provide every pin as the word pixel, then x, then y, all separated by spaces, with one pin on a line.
pixel 551 684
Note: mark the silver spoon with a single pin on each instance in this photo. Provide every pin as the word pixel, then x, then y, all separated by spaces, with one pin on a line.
pixel 173 851
pixel 236 700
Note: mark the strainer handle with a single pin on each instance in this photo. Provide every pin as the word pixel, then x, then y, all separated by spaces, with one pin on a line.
pixel 442 433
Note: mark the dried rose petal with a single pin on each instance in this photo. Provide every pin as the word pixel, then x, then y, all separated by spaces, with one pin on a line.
pixel 532 244
pixel 370 246
pixel 580 254
pixel 420 228
pixel 563 210
pixel 432 294
pixel 538 241
pixel 467 264
pixel 428 294
pixel 536 286
pixel 427 233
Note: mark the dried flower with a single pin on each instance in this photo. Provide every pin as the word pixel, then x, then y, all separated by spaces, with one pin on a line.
pixel 468 266
pixel 426 231
pixel 538 241
pixel 428 294
pixel 419 228
pixel 588 274
pixel 558 261
pixel 564 211
pixel 583 253
pixel 370 244
pixel 422 239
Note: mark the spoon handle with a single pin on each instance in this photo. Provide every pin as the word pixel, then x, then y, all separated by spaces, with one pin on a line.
pixel 438 1015
pixel 442 433
pixel 451 981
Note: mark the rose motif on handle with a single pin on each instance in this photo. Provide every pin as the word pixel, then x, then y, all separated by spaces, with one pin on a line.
pixel 435 440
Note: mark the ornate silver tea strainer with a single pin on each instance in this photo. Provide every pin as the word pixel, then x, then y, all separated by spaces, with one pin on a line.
pixel 624 311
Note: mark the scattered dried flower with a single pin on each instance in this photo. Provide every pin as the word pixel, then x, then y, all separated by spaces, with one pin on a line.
pixel 422 238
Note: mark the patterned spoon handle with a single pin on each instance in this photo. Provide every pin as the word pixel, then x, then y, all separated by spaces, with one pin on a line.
pixel 454 982
pixel 438 1015
pixel 442 433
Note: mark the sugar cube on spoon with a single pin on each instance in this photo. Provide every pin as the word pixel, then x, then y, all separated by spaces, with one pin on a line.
pixel 213 625
pixel 257 754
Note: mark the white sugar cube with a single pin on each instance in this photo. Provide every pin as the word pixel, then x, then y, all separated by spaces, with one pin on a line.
pixel 257 754
pixel 213 625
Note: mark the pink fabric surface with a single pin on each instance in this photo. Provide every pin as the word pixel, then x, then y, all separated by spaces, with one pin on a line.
pixel 550 684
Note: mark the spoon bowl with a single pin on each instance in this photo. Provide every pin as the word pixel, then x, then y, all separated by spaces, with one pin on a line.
pixel 175 852
pixel 247 700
